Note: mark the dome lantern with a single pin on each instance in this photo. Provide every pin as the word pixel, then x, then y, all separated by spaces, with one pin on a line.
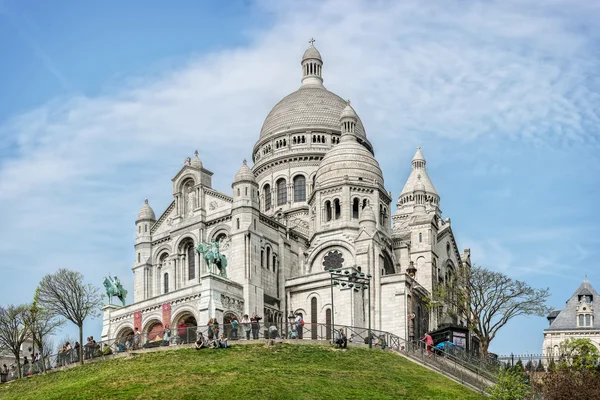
pixel 312 66
pixel 348 119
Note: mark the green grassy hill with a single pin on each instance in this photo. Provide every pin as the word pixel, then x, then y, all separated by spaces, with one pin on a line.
pixel 245 372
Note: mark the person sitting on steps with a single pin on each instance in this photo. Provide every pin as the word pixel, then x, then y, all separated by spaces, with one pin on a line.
pixel 340 339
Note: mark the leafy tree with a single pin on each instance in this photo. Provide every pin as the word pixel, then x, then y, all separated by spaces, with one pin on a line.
pixel 578 354
pixel 510 386
pixel 576 374
pixel 529 366
pixel 43 323
pixel 540 367
pixel 519 366
pixel 569 383
pixel 64 293
pixel 488 300
pixel 14 330
pixel 551 365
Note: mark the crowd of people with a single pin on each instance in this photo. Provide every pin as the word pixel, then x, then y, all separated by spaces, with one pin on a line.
pixel 211 337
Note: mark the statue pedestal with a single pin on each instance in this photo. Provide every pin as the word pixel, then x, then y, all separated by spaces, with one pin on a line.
pixel 216 290
pixel 107 309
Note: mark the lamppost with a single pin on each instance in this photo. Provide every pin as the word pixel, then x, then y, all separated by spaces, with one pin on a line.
pixel 411 270
pixel 354 280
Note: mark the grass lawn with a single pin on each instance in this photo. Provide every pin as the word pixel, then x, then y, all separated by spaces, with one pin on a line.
pixel 282 371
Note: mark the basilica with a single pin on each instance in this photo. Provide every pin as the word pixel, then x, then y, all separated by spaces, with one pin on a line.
pixel 313 198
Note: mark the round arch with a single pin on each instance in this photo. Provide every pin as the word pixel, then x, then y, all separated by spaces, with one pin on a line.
pixel 185 324
pixel 330 245
pixel 184 237
pixel 184 180
pixel 220 230
pixel 228 318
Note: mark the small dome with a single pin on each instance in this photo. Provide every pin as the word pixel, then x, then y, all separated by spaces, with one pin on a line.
pixel 244 174
pixel 146 212
pixel 348 159
pixel 348 112
pixel 312 53
pixel 367 215
pixel 196 163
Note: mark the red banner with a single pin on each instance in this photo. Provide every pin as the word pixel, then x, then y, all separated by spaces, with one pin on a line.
pixel 137 320
pixel 166 314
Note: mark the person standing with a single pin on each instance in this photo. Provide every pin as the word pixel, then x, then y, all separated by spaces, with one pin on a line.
pixel 428 343
pixel 299 325
pixel 246 325
pixel 234 328
pixel 255 321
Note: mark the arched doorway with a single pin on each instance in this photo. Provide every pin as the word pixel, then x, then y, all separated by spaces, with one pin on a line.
pixel 124 339
pixel 228 330
pixel 186 327
pixel 153 332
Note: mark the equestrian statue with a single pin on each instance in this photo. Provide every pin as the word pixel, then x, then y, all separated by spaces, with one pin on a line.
pixel 213 257
pixel 114 288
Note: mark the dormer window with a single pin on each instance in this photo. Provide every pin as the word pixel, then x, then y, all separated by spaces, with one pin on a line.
pixel 585 315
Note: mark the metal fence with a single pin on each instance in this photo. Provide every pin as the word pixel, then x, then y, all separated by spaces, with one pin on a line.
pixel 454 363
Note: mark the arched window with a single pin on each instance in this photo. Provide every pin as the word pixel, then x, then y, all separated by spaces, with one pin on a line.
pixel 267 190
pixel 246 190
pixel 328 210
pixel 237 223
pixel 328 324
pixel 299 188
pixel 274 263
pixel 268 256
pixel 420 237
pixel 145 227
pixel 262 258
pixel 139 257
pixel 166 282
pixel 281 192
pixel 140 229
pixel 238 191
pixel 313 318
pixel 191 258
pixel 338 208
pixel 355 206
pixel 365 202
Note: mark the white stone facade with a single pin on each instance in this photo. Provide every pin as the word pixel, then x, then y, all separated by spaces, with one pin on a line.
pixel 315 196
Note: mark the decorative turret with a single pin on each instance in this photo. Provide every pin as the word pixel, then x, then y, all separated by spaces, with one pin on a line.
pixel 245 195
pixel 368 219
pixel 312 66
pixel 196 163
pixel 348 119
pixel 146 218
pixel 418 193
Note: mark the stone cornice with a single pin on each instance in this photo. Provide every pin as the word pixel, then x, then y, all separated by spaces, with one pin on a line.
pixel 219 195
pixel 162 218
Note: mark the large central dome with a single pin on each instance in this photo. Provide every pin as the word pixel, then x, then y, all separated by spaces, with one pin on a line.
pixel 310 107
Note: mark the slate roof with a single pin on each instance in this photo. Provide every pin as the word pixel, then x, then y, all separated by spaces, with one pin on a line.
pixel 567 317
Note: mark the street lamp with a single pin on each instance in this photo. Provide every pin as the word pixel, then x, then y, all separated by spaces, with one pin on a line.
pixel 411 270
pixel 354 280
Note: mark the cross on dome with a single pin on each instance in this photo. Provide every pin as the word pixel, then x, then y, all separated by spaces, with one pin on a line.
pixel 196 153
pixel 311 42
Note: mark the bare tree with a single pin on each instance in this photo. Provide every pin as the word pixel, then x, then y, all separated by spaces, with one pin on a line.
pixel 489 300
pixel 64 293
pixel 14 330
pixel 43 323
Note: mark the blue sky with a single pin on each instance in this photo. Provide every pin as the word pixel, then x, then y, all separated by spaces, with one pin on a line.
pixel 102 102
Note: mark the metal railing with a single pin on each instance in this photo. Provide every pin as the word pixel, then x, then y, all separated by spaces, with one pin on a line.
pixel 461 367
